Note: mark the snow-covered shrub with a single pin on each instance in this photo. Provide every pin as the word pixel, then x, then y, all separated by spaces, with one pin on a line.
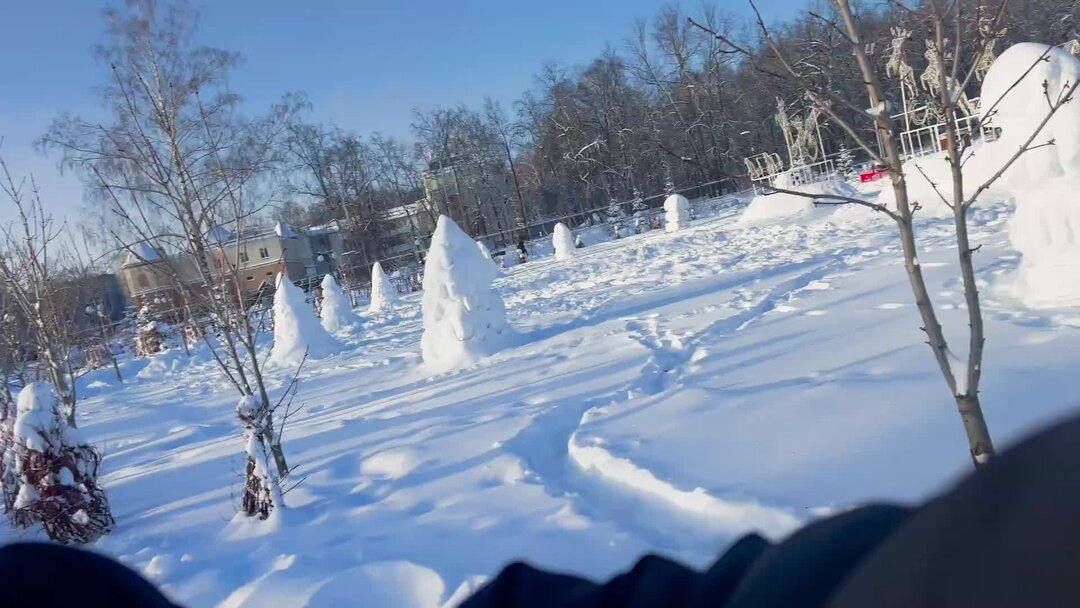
pixel 676 212
pixel 56 472
pixel 563 241
pixel 1043 181
pixel 464 316
pixel 337 314
pixel 383 293
pixel 616 219
pixel 9 486
pixel 845 164
pixel 150 332
pixel 262 488
pixel 297 329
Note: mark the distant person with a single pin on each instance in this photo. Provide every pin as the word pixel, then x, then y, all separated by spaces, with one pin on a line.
pixel 522 253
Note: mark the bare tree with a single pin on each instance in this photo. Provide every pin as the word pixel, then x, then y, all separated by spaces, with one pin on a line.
pixel 961 375
pixel 181 176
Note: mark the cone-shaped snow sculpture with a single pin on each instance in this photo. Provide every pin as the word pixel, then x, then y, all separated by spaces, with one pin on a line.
pixel 383 293
pixel 676 212
pixel 296 328
pixel 464 317
pixel 1045 179
pixel 563 240
pixel 337 314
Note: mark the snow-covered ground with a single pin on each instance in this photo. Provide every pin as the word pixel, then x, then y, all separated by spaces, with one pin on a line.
pixel 665 392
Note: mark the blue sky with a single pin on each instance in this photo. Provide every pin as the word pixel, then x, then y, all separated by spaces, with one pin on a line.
pixel 364 64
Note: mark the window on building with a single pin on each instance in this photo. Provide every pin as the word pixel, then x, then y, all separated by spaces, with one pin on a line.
pixel 142 281
pixel 243 257
pixel 263 253
pixel 270 274
pixel 249 278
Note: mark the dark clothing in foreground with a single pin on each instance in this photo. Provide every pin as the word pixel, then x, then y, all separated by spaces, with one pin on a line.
pixel 1006 536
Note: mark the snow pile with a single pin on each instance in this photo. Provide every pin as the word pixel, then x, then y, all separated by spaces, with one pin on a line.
pixel 764 209
pixel 1044 182
pixel 464 317
pixel 337 313
pixel 296 328
pixel 563 240
pixel 676 212
pixel 383 293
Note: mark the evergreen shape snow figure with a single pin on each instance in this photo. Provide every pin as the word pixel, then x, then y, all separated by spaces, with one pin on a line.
pixel 464 316
pixel 563 240
pixel 676 212
pixel 262 488
pixel 56 472
pixel 615 215
pixel 337 314
pixel 845 163
pixel 383 293
pixel 297 329
pixel 150 332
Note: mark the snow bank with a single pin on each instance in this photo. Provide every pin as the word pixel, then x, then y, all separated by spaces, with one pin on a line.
pixel 1044 182
pixel 765 209
pixel 676 212
pixel 337 313
pixel 296 328
pixel 563 240
pixel 464 317
pixel 383 293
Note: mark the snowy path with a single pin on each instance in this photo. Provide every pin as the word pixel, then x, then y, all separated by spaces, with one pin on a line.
pixel 667 392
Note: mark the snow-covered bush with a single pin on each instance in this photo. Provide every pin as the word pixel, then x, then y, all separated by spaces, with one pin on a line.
pixel 845 163
pixel 150 332
pixel 383 293
pixel 1043 181
pixel 9 486
pixel 262 488
pixel 616 219
pixel 563 241
pixel 337 314
pixel 297 329
pixel 56 472
pixel 464 316
pixel 676 212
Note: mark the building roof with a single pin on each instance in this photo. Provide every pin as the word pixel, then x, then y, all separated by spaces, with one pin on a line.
pixel 141 253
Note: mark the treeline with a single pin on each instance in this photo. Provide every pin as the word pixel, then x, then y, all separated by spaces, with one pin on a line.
pixel 669 105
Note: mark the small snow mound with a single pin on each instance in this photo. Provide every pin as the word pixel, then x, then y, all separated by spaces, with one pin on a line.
pixel 391 584
pixel 383 293
pixel 297 329
pixel 464 316
pixel 391 464
pixel 676 212
pixel 781 206
pixel 337 314
pixel 563 240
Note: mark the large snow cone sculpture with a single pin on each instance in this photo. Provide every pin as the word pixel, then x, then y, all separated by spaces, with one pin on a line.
pixel 337 314
pixel 563 240
pixel 297 329
pixel 1044 181
pixel 56 472
pixel 676 212
pixel 464 317
pixel 383 293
